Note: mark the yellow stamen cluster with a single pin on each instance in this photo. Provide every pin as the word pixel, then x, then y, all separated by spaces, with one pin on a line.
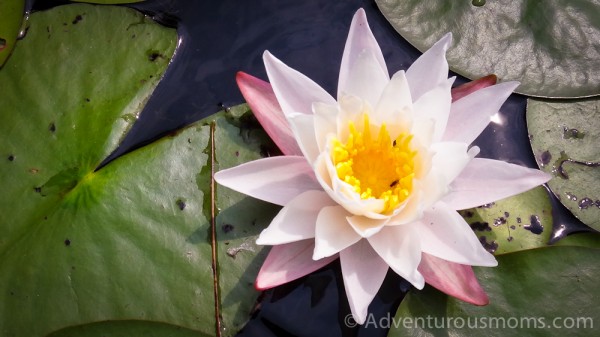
pixel 376 168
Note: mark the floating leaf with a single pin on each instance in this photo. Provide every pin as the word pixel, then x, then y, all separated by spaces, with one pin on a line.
pixel 11 16
pixel 239 138
pixel 552 47
pixel 513 224
pixel 84 247
pixel 540 292
pixel 564 137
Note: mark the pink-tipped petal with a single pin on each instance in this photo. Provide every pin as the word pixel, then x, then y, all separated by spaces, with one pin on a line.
pixel 457 280
pixel 260 97
pixel 430 69
pixel 470 87
pixel 486 180
pixel 289 262
pixel 445 234
pixel 471 114
pixel 274 179
pixel 296 221
pixel 360 39
pixel 294 91
pixel 363 273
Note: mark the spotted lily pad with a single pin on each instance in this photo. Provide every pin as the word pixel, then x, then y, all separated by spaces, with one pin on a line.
pixel 11 16
pixel 539 292
pixel 551 47
pixel 130 244
pixel 565 137
pixel 517 223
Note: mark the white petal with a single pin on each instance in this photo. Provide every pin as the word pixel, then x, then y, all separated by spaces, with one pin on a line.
pixel 333 232
pixel 471 114
pixel 486 180
pixel 303 126
pixel 395 105
pixel 366 79
pixel 400 248
pixel 363 272
pixel 295 92
pixel 360 38
pixel 429 70
pixel 412 210
pixel 423 130
pixel 435 105
pixel 351 110
pixel 366 227
pixel 296 220
pixel 450 159
pixel 445 234
pixel 275 179
pixel 325 123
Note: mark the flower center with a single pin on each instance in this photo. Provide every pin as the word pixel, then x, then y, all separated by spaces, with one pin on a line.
pixel 376 167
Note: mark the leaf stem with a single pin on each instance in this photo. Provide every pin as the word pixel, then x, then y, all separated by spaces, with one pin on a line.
pixel 213 233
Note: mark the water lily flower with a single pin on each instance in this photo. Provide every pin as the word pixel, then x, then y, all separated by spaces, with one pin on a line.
pixel 375 177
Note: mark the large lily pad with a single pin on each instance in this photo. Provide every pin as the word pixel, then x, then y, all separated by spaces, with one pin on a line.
pixel 517 223
pixel 539 292
pixel 565 138
pixel 11 16
pixel 130 241
pixel 552 47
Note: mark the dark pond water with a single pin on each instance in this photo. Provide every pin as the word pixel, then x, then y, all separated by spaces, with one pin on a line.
pixel 219 38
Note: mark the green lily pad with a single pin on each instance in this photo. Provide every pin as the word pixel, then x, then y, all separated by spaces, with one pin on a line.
pixel 539 292
pixel 128 246
pixel 11 16
pixel 240 139
pixel 551 47
pixel 565 137
pixel 517 223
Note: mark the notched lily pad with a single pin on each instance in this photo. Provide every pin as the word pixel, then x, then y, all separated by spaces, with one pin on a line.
pixel 551 47
pixel 565 138
pixel 517 223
